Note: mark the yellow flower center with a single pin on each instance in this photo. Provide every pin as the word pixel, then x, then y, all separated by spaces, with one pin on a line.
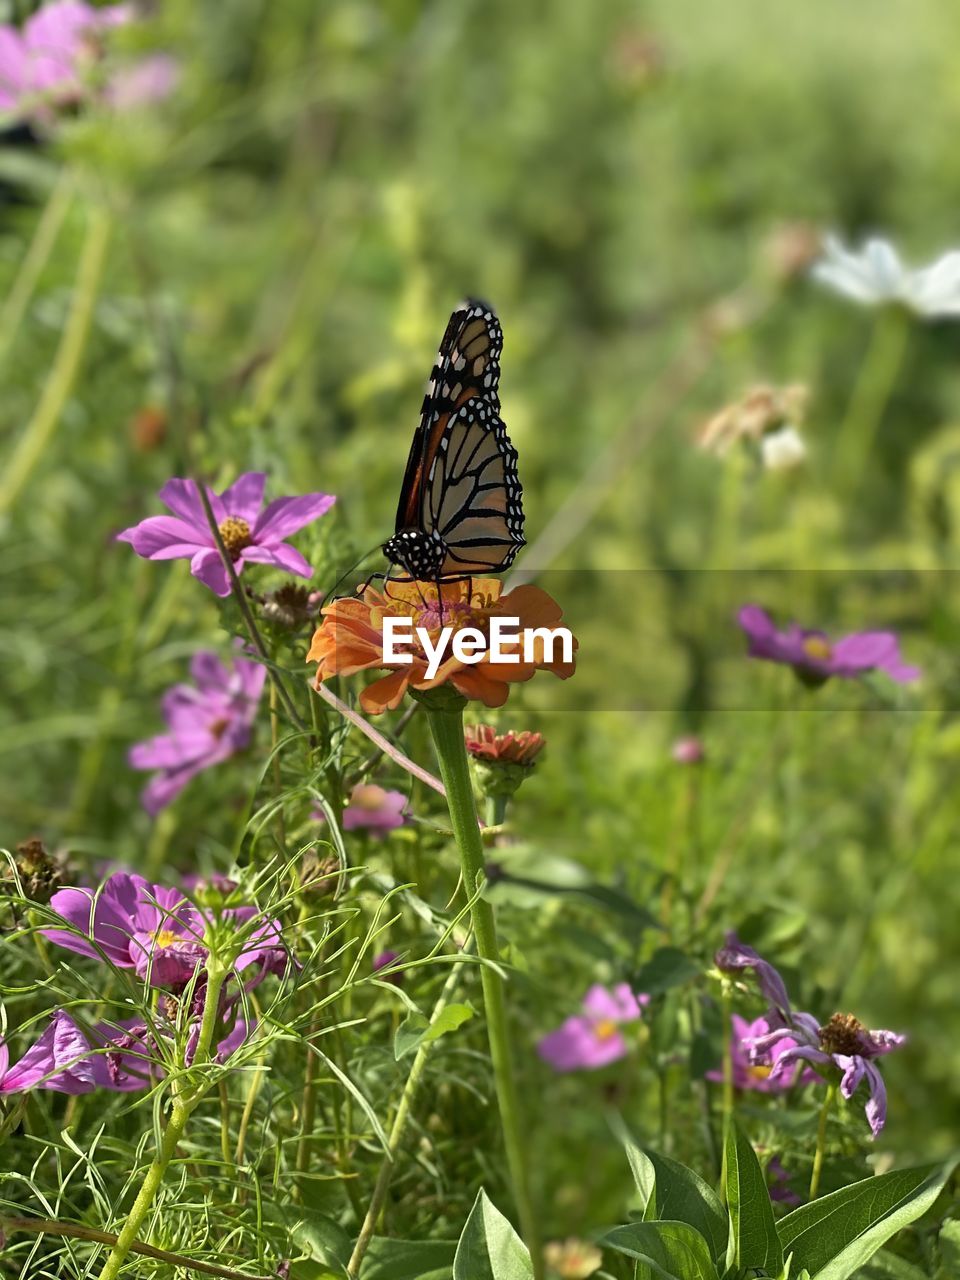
pixel 817 648
pixel 605 1029
pixel 235 534
pixel 165 937
pixel 368 798
pixel 758 1072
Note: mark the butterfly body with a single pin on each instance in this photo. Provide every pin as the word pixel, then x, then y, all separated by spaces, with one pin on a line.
pixel 460 510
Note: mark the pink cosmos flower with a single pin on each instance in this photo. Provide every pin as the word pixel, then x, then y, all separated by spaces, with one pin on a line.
pixel 208 722
pixel 750 1069
pixel 815 658
pixel 52 62
pixel 593 1039
pixel 372 808
pixel 155 930
pixel 250 536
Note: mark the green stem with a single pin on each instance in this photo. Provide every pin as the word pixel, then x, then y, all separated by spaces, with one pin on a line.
pixel 821 1141
pixel 872 391
pixel 445 715
pixel 56 392
pixel 496 810
pixel 183 1107
pixel 308 1111
pixel 398 1129
pixel 35 259
pixel 726 1015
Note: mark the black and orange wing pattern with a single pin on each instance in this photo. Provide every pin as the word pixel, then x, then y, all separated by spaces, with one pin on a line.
pixel 461 482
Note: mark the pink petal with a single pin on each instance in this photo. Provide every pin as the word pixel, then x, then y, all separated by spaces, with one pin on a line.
pixel 209 672
pixel 209 568
pixel 281 556
pixel 244 498
pixel 165 538
pixel 14 67
pixel 183 499
pixel 285 516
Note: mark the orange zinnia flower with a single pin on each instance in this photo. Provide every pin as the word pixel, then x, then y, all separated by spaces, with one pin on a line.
pixel 485 743
pixel 350 638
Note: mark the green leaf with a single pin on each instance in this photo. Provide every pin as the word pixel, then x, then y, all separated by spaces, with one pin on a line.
pixel 408 1260
pixel 840 1232
pixel 670 1191
pixel 753 1243
pixel 890 1266
pixel 667 967
pixel 670 1250
pixel 489 1248
pixel 416 1030
pixel 322 1239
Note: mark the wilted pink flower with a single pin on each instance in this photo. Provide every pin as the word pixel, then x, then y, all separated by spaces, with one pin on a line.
pixel 735 956
pixel 155 930
pixel 208 722
pixel 815 658
pixel 750 1069
pixel 689 750
pixel 249 535
pixel 593 1039
pixel 843 1044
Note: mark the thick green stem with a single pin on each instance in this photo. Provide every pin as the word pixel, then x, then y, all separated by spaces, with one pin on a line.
pixel 445 714
pixel 56 392
pixel 183 1107
pixel 821 1141
pixel 398 1129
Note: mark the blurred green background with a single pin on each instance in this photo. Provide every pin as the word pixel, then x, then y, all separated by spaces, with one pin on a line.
pixel 288 233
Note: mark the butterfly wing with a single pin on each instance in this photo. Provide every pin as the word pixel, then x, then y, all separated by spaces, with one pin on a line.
pixel 461 480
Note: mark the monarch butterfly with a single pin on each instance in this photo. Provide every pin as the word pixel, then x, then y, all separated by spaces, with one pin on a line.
pixel 460 509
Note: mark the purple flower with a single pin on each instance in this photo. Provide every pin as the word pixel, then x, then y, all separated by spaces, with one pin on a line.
pixel 208 723
pixel 844 1043
pixel 593 1039
pixel 386 960
pixel 60 1060
pixel 752 1070
pixel 815 658
pixel 735 956
pixel 156 931
pixel 249 535
pixel 778 1179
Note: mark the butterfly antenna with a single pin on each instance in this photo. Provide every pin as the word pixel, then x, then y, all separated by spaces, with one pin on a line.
pixel 332 593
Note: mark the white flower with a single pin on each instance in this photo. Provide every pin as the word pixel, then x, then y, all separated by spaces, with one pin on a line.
pixel 876 275
pixel 782 449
